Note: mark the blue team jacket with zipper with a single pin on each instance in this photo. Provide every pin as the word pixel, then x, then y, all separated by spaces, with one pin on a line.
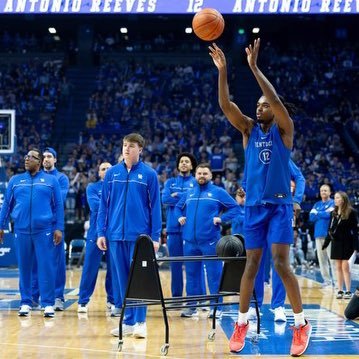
pixel 180 185
pixel 34 203
pixel 130 203
pixel 200 206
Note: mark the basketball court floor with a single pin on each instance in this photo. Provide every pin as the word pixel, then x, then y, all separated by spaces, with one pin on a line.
pixel 73 335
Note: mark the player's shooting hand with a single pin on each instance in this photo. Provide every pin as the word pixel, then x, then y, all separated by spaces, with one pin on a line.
pixel 57 237
pixel 252 53
pixel 217 56
pixel 1 236
pixel 101 243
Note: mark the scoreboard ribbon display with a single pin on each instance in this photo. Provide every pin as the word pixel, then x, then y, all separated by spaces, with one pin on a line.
pixel 244 7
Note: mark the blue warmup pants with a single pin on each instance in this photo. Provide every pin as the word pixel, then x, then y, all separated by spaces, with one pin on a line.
pixel 36 248
pixel 93 256
pixel 60 274
pixel 278 290
pixel 194 270
pixel 121 253
pixel 175 249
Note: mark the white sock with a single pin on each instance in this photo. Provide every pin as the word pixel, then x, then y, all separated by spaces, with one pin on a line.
pixel 299 319
pixel 242 318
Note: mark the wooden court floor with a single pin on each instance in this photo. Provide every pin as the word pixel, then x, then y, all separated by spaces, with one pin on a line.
pixel 71 335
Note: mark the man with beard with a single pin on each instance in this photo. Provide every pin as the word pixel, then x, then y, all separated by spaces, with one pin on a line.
pixel 199 212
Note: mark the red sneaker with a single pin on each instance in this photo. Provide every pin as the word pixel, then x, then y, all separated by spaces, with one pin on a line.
pixel 301 338
pixel 237 341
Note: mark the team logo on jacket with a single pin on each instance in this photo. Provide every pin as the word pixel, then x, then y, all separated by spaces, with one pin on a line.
pixel 191 184
pixel 42 180
pixel 209 195
pixel 140 176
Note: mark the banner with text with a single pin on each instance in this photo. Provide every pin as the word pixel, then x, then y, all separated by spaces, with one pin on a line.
pixel 245 7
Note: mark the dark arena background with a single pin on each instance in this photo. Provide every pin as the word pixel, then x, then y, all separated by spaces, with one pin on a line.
pixel 78 76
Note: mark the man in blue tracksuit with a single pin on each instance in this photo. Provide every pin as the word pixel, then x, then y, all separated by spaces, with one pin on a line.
pixel 49 161
pixel 130 205
pixel 320 216
pixel 93 254
pixel 33 199
pixel 174 189
pixel 199 212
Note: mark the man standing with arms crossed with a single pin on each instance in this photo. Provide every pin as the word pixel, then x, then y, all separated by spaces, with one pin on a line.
pixel 174 189
pixel 130 205
pixel 269 205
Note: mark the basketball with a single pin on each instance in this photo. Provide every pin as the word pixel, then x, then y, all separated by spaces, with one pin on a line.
pixel 230 246
pixel 208 24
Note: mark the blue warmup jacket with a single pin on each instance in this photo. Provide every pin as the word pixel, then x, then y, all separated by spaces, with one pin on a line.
pixel 237 223
pixel 179 184
pixel 34 202
pixel 130 203
pixel 63 182
pixel 200 205
pixel 93 194
pixel 320 216
pixel 297 176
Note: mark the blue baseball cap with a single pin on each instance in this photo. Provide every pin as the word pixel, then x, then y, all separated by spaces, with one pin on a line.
pixel 51 150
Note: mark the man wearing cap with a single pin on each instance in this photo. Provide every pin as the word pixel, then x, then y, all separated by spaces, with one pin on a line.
pixel 174 189
pixel 49 160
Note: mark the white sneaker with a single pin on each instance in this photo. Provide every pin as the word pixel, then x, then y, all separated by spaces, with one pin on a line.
pixel 279 315
pixel 49 311
pixel 127 330
pixel 82 308
pixel 252 314
pixel 24 310
pixel 59 305
pixel 140 330
pixel 110 306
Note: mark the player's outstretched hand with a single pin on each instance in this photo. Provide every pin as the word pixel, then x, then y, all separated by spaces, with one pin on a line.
pixel 252 53
pixel 217 56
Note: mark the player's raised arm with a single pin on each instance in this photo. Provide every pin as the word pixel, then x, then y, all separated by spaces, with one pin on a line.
pixel 240 121
pixel 281 114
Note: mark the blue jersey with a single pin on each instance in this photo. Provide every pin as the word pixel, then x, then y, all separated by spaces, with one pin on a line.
pixel 179 185
pixel 320 216
pixel 93 195
pixel 200 205
pixel 34 202
pixel 267 171
pixel 130 203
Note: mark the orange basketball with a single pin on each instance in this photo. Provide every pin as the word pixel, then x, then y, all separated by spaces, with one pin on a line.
pixel 208 24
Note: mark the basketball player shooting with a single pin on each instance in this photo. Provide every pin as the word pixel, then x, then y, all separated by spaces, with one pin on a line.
pixel 269 208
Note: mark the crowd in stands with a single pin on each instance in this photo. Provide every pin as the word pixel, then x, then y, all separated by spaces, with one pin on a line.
pixel 33 90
